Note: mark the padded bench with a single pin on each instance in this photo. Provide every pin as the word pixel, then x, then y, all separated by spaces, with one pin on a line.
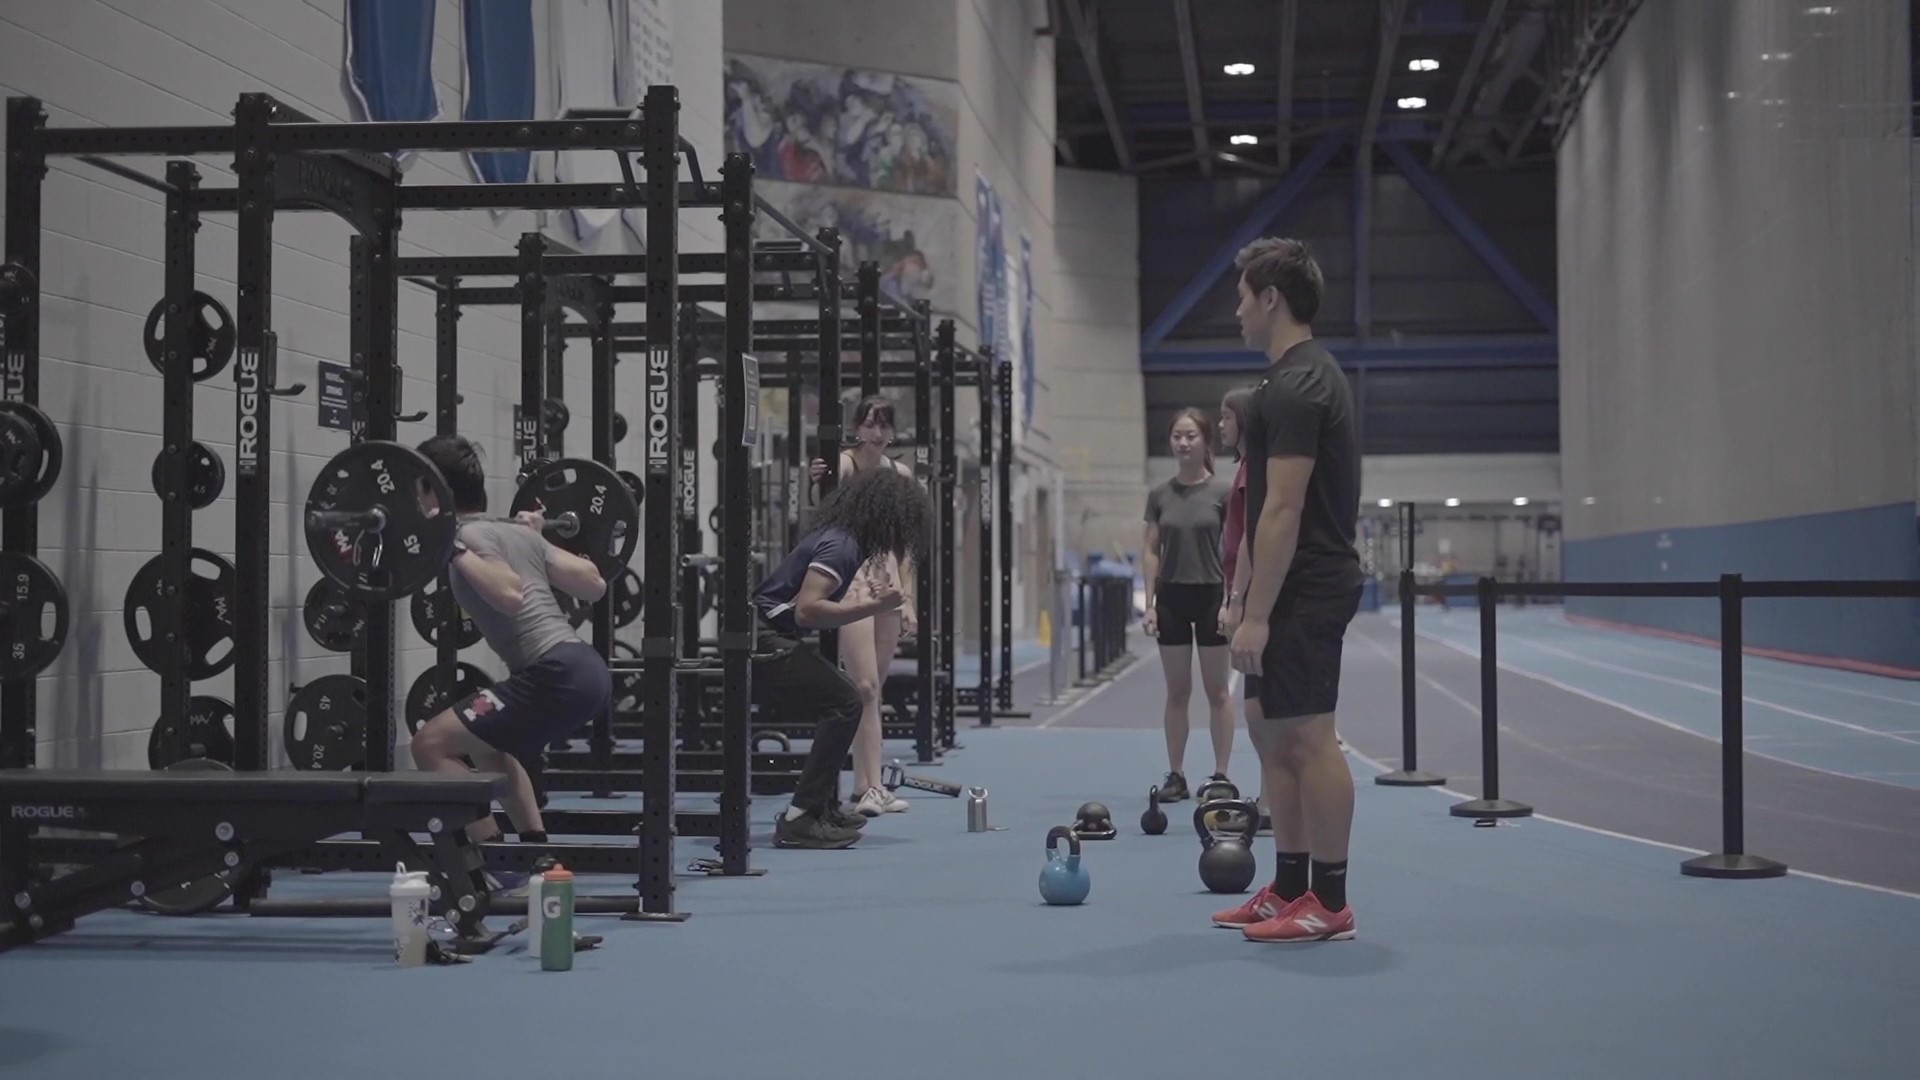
pixel 186 835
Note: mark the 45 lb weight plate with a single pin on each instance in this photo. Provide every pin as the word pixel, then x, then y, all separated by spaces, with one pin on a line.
pixel 380 520
pixel 33 615
pixel 205 646
pixel 607 519
pixel 326 724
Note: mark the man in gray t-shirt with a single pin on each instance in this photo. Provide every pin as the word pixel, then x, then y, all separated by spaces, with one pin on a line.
pixel 504 574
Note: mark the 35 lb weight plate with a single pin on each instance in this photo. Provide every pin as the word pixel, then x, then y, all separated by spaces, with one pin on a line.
pixel 204 894
pixel 207 733
pixel 405 526
pixel 435 611
pixel 205 647
pixel 206 476
pixel 333 620
pixel 33 616
pixel 212 336
pixel 28 465
pixel 609 519
pixel 326 724
pixel 439 687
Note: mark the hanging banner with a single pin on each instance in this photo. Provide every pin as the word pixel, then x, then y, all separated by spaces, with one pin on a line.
pixel 1029 365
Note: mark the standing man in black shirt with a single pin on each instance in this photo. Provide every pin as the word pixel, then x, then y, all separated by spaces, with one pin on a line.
pixel 1294 592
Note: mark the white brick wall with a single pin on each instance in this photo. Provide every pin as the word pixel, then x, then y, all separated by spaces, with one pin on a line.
pixel 143 62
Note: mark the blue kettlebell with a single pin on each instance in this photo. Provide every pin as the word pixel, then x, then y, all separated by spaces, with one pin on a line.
pixel 1064 881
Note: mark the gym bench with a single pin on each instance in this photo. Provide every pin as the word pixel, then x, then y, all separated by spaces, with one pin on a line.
pixel 194 833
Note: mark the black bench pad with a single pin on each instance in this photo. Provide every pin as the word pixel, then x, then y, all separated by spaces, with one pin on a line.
pixel 278 786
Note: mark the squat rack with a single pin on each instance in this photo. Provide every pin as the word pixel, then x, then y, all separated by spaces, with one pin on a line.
pixel 284 160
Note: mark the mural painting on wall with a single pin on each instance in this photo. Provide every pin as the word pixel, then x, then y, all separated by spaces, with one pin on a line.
pixel 821 124
pixel 909 236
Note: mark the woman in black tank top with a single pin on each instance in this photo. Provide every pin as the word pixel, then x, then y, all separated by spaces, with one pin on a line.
pixel 867 646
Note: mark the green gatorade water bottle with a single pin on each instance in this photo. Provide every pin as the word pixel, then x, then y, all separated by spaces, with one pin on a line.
pixel 556 920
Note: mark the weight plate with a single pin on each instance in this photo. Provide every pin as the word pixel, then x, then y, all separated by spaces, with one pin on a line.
pixel 206 617
pixel 33 615
pixel 206 476
pixel 416 539
pixel 326 724
pixel 626 650
pixel 555 415
pixel 431 692
pixel 629 598
pixel 619 427
pixel 634 484
pixel 609 517
pixel 19 456
pixel 203 894
pixel 210 346
pixel 208 733
pixel 333 620
pixel 435 608
pixel 36 464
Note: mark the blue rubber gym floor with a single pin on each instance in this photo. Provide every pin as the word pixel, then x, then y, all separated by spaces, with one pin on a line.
pixel 1533 950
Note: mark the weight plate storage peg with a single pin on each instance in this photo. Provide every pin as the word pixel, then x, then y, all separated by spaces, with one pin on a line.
pixel 33 614
pixel 326 724
pixel 28 467
pixel 206 476
pixel 202 894
pixel 211 345
pixel 380 520
pixel 438 687
pixel 205 648
pixel 607 519
pixel 207 733
pixel 434 610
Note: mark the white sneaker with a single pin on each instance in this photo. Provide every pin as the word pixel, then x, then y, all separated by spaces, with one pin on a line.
pixel 878 800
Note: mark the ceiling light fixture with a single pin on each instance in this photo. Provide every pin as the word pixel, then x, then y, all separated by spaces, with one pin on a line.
pixel 1244 140
pixel 1238 69
pixel 1424 63
pixel 1413 103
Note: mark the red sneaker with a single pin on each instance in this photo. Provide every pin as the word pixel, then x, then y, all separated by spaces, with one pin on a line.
pixel 1264 905
pixel 1306 919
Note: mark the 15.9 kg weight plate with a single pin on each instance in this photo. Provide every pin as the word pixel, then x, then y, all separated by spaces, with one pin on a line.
pixel 439 687
pixel 30 454
pixel 206 645
pixel 207 733
pixel 414 540
pixel 609 519
pixel 33 616
pixel 326 724
pixel 203 894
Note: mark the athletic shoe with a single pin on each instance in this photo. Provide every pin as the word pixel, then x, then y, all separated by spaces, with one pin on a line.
pixel 1174 788
pixel 1306 919
pixel 1264 905
pixel 844 818
pixel 879 800
pixel 812 831
pixel 507 882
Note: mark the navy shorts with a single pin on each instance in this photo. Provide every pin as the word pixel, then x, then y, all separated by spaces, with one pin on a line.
pixel 1300 669
pixel 546 701
pixel 1188 615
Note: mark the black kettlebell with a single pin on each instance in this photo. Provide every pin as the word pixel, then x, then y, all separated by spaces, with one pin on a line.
pixel 1093 822
pixel 1226 859
pixel 1216 790
pixel 1154 821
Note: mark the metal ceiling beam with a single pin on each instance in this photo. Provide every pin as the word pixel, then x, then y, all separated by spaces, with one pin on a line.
pixel 1283 113
pixel 1392 14
pixel 1482 46
pixel 1190 68
pixel 1087 35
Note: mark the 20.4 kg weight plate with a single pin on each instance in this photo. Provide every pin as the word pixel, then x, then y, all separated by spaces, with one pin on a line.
pixel 439 687
pixel 203 894
pixel 33 616
pixel 205 648
pixel 207 733
pixel 609 519
pixel 326 724
pixel 413 538
pixel 30 454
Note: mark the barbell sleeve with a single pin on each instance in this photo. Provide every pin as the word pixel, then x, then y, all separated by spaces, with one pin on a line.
pixel 566 526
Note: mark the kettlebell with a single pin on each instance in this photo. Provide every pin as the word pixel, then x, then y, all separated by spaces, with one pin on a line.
pixel 1226 859
pixel 1216 790
pixel 1063 881
pixel 1154 821
pixel 1093 822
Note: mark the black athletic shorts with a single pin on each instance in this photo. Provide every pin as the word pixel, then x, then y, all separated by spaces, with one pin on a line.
pixel 548 700
pixel 1188 614
pixel 1300 671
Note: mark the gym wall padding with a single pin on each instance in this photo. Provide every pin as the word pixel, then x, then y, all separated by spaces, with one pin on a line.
pixel 1737 313
pixel 99 63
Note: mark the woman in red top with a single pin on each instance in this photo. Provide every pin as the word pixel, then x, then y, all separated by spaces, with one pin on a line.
pixel 1232 408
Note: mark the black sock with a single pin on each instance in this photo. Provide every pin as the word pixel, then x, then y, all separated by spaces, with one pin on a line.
pixel 1330 884
pixel 1290 877
pixel 533 837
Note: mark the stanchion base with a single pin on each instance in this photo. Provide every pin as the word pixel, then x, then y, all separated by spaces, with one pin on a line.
pixel 1012 714
pixel 1722 865
pixel 1490 808
pixel 656 916
pixel 1405 778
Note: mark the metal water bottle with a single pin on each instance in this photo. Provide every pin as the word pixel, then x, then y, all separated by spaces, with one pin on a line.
pixel 977 809
pixel 408 893
pixel 556 920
